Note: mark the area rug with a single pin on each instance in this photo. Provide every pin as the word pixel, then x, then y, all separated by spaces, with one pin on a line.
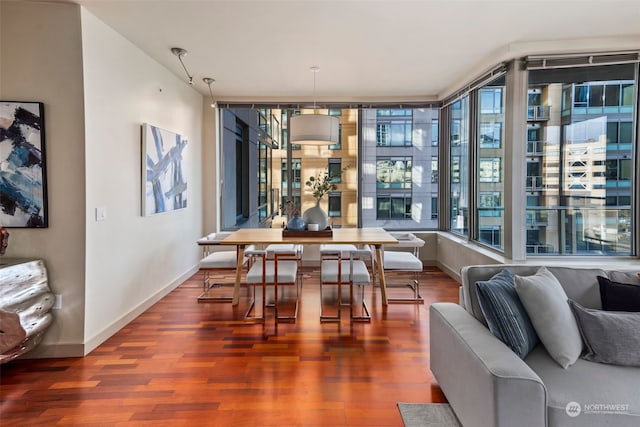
pixel 428 415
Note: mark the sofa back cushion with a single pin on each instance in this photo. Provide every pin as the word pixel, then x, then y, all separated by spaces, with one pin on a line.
pixel 545 300
pixel 580 284
pixel 505 315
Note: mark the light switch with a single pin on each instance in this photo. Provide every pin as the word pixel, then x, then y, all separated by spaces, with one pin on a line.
pixel 101 214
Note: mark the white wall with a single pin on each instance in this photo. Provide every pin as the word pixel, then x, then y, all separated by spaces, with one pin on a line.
pixel 133 260
pixel 41 60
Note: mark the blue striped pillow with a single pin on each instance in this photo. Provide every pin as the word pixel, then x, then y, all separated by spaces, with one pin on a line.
pixel 505 315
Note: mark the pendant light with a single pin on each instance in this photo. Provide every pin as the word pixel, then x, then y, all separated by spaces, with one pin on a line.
pixel 314 129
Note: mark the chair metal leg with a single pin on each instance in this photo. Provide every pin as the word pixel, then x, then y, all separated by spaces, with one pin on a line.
pixel 415 287
pixel 291 318
pixel 207 285
pixel 252 306
pixel 324 318
pixel 365 316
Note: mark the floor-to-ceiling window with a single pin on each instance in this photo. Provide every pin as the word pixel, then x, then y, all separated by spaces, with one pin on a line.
pixel 490 176
pixel 399 161
pixel 573 175
pixel 579 160
pixel 459 167
pixel 249 193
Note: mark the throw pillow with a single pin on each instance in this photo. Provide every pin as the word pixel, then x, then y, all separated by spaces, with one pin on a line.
pixel 618 296
pixel 611 337
pixel 506 317
pixel 546 303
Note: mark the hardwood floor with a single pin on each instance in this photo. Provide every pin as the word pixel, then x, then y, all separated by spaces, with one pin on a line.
pixel 189 363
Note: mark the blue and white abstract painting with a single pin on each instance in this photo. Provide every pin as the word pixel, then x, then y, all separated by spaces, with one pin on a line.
pixel 164 183
pixel 23 195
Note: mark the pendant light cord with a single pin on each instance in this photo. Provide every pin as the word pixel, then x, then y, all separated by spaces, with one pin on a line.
pixel 315 70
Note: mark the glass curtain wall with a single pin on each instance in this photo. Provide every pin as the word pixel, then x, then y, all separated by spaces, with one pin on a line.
pixel 399 150
pixel 581 164
pixel 249 196
pixel 390 155
pixel 579 160
pixel 490 176
pixel 459 168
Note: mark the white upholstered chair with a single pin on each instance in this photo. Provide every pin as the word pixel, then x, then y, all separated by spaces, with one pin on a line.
pixel 215 259
pixel 398 258
pixel 276 272
pixel 287 251
pixel 342 265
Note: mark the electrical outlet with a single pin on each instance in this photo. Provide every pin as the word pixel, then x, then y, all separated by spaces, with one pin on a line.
pixel 57 304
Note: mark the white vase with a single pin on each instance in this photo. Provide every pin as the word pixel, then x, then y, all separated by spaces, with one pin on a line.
pixel 316 215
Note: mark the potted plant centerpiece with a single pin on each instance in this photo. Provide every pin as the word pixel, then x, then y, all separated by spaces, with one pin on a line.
pixel 319 185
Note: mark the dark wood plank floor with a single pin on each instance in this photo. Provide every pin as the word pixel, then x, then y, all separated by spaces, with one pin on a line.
pixel 185 363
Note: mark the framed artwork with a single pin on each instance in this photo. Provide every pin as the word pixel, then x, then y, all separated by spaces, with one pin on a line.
pixel 23 177
pixel 164 186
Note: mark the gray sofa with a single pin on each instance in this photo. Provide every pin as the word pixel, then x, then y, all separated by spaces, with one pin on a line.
pixel 487 384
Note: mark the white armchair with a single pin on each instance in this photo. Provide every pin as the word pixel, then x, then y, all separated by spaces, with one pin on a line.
pixel 405 261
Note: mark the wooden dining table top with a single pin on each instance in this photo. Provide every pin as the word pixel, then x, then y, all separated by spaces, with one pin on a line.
pixel 369 236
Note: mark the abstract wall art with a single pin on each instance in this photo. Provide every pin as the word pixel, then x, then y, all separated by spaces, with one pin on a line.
pixel 23 183
pixel 164 185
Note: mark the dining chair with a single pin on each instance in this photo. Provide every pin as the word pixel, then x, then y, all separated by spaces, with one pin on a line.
pixel 365 251
pixel 342 265
pixel 287 251
pixel 265 271
pixel 216 261
pixel 405 261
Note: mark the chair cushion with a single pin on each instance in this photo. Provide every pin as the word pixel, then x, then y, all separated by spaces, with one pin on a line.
pixel 405 261
pixel 332 249
pixel 399 235
pixel 329 272
pixel 214 238
pixel 221 259
pixel 282 249
pixel 287 272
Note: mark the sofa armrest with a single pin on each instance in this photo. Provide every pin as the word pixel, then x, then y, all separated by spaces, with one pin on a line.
pixel 484 381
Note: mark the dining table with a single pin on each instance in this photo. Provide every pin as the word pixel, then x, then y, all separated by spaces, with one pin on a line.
pixel 373 236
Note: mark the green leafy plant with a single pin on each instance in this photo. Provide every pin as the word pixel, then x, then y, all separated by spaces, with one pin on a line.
pixel 320 185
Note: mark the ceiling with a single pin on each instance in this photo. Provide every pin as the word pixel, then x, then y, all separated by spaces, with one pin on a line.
pixel 367 50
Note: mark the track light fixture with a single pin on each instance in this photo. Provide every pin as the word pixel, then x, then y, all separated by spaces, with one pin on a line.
pixel 180 52
pixel 209 81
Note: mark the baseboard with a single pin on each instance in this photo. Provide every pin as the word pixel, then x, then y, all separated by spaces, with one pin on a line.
pixel 450 272
pixel 50 351
pixel 92 343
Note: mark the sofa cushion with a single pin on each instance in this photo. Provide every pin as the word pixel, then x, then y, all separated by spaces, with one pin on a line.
pixel 580 284
pixel 618 296
pixel 591 385
pixel 609 336
pixel 546 303
pixel 505 315
pixel 624 276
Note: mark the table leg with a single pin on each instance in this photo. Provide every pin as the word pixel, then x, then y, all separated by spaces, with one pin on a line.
pixel 380 267
pixel 239 265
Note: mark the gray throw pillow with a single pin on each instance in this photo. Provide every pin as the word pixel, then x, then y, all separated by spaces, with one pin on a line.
pixel 506 317
pixel 611 337
pixel 546 303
